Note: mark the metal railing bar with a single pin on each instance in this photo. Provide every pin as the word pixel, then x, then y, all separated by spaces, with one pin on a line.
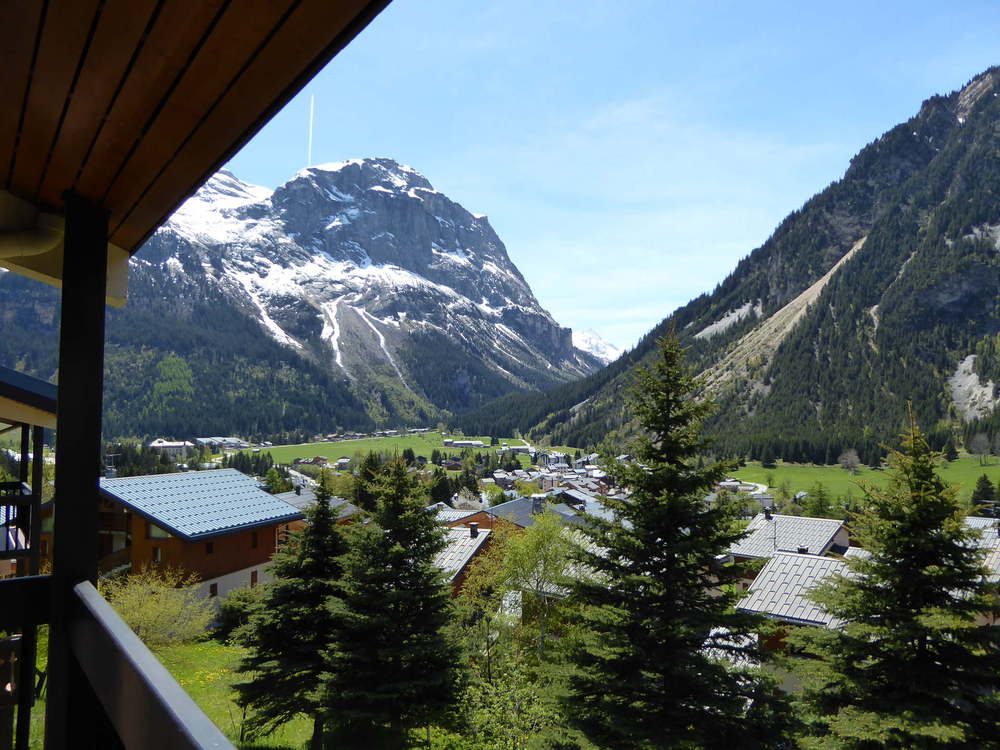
pixel 143 701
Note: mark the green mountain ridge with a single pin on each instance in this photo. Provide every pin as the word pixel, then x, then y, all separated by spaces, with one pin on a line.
pixel 920 207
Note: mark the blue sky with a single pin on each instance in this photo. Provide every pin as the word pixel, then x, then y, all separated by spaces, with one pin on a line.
pixel 627 152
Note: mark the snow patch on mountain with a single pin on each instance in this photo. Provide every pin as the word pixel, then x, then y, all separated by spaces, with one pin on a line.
pixel 358 264
pixel 591 342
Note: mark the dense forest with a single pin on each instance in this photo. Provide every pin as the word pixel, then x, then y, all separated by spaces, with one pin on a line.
pixel 889 326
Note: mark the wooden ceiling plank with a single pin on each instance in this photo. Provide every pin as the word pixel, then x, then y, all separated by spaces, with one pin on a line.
pixel 64 37
pixel 118 34
pixel 19 21
pixel 178 30
pixel 290 53
pixel 236 37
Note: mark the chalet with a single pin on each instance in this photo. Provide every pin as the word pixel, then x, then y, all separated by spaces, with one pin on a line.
pixel 218 525
pixel 781 589
pixel 551 457
pixel 522 511
pixel 304 498
pixel 172 448
pixel 451 464
pixel 462 546
pixel 466 443
pixel 769 533
pixel 452 517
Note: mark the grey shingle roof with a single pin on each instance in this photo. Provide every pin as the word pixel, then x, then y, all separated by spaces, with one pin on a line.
pixel 306 498
pixel 781 588
pixel 462 546
pixel 989 540
pixel 447 514
pixel 786 533
pixel 200 504
pixel 519 512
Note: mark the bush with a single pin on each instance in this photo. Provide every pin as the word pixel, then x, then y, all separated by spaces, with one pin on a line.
pixel 236 608
pixel 161 605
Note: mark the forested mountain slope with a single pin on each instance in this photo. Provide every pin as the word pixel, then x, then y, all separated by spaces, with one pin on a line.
pixel 881 289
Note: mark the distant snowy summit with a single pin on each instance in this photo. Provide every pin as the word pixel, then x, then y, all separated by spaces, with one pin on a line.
pixel 591 341
pixel 363 267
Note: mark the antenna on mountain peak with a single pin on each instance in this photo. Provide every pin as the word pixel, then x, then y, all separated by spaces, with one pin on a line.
pixel 309 151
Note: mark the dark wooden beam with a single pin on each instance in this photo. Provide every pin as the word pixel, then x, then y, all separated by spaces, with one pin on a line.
pixel 70 719
pixel 25 600
pixel 25 447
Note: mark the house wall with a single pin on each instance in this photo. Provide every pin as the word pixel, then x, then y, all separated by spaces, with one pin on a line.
pixel 230 552
pixel 235 580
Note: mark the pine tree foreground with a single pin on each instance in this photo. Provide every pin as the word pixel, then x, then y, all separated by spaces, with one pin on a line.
pixel 393 666
pixel 910 667
pixel 288 635
pixel 668 662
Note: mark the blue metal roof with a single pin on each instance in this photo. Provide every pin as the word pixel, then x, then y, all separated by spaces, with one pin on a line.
pixel 200 504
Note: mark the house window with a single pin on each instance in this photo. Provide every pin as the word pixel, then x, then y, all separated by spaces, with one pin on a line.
pixel 209 548
pixel 157 555
pixel 253 578
pixel 213 589
pixel 155 532
pixel 253 540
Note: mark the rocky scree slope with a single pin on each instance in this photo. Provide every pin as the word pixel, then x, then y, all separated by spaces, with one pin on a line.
pixel 373 291
pixel 881 290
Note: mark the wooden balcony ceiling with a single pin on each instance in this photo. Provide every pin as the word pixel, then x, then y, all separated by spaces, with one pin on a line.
pixel 134 103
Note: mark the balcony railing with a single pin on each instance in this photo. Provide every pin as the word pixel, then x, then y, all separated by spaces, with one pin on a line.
pixel 141 703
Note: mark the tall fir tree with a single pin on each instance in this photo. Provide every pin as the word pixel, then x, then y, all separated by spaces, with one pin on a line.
pixel 289 634
pixel 909 667
pixel 667 661
pixel 395 664
pixel 984 494
pixel 367 472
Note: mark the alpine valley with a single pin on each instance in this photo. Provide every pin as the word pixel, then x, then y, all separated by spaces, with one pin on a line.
pixel 882 290
pixel 353 296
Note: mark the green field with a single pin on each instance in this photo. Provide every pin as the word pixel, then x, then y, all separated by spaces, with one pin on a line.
pixel 421 444
pixel 963 473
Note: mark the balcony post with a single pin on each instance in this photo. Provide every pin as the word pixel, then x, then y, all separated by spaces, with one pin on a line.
pixel 74 719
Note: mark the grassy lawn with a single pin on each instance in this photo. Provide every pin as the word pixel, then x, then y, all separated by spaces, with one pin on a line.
pixel 421 444
pixel 963 472
pixel 207 671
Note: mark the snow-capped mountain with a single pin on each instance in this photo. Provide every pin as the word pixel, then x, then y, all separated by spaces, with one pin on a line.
pixel 591 341
pixel 364 268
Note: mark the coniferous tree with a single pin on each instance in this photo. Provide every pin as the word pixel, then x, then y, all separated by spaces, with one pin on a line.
pixel 287 637
pixel 440 487
pixel 909 668
pixel 366 475
pixel 985 493
pixel 394 665
pixel 667 661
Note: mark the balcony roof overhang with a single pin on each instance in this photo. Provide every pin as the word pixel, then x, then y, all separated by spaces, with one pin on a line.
pixel 133 104
pixel 25 400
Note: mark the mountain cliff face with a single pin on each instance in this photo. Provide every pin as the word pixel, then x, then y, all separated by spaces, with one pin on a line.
pixel 880 291
pixel 371 288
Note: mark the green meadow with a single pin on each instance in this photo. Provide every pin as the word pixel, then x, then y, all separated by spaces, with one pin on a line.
pixel 421 444
pixel 962 472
